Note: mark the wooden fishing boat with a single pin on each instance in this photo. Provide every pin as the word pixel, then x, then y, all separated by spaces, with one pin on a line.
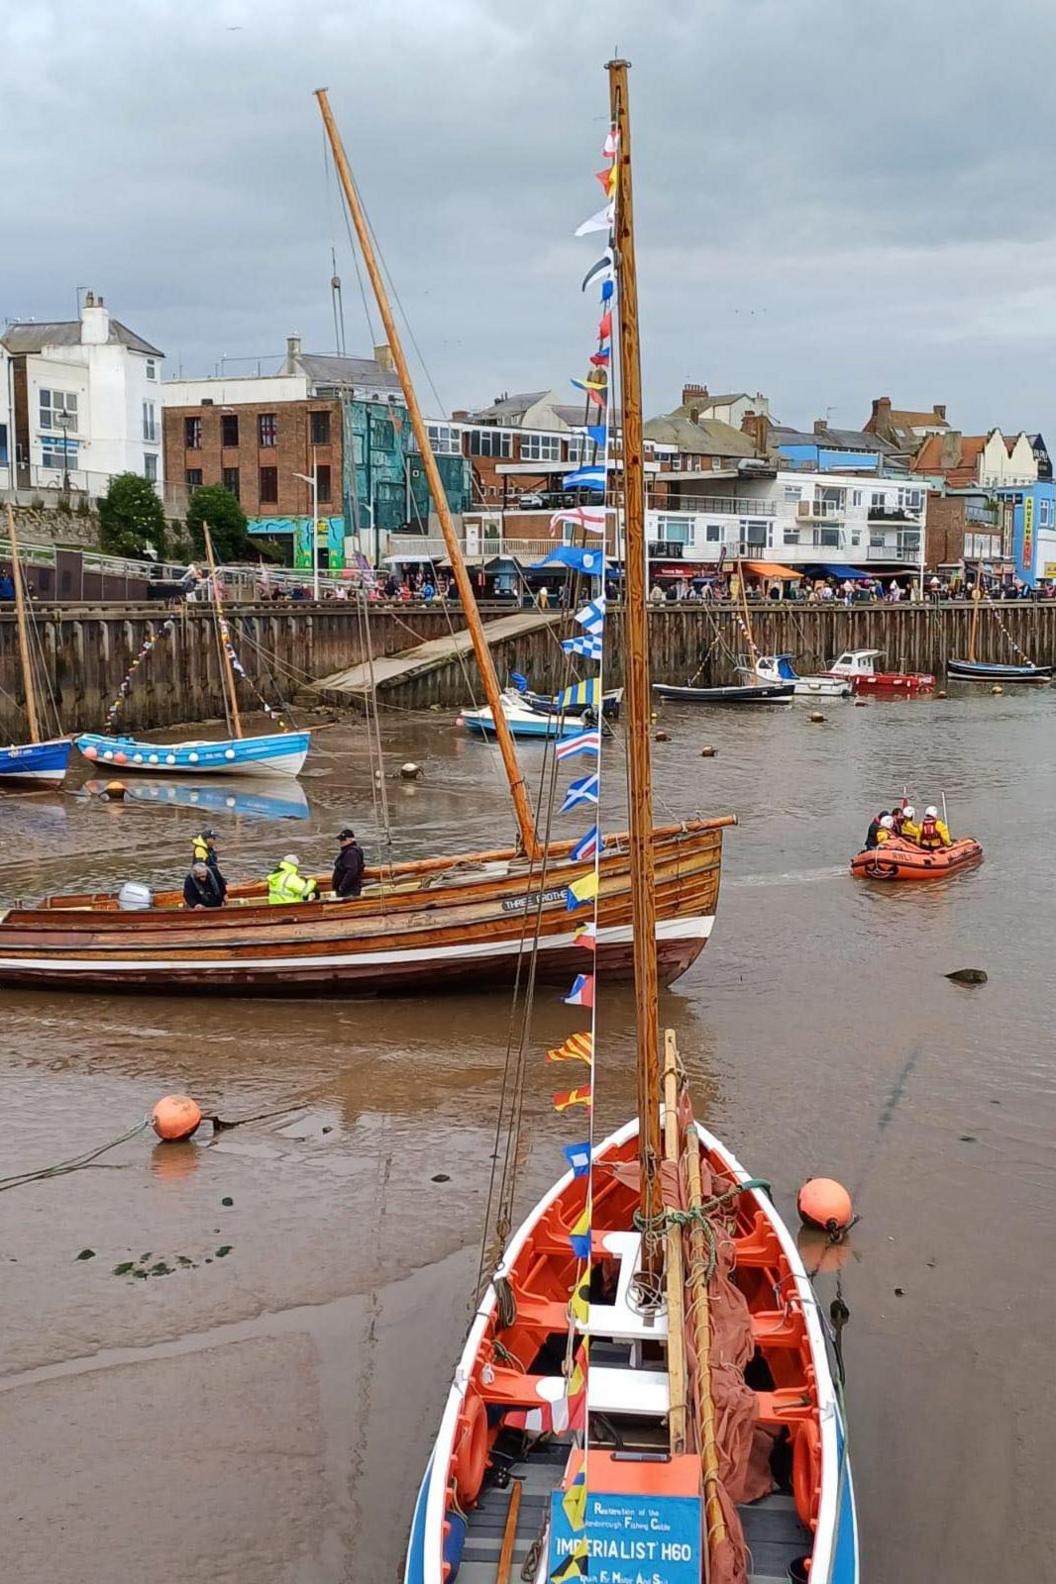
pixel 973 670
pixel 41 759
pixel 456 922
pixel 279 754
pixel 736 693
pixel 858 667
pixel 901 860
pixel 508 1423
pixel 779 668
pixel 646 1362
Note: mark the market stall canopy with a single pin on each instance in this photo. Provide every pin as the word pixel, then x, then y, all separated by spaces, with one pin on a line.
pixel 768 569
pixel 831 569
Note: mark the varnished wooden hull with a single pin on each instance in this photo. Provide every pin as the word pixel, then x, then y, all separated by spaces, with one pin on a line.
pixel 436 925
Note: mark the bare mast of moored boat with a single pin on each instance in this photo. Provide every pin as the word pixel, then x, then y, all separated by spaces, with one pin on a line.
pixel 485 664
pixel 221 633
pixel 28 684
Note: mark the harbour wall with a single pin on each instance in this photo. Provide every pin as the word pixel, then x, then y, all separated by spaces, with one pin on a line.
pixel 83 654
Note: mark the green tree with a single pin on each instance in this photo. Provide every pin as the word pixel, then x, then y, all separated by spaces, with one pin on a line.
pixel 131 517
pixel 215 505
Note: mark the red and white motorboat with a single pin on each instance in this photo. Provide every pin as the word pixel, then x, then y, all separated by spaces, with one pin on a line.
pixel 859 669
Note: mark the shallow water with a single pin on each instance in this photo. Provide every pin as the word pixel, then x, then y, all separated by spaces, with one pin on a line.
pixel 262 1416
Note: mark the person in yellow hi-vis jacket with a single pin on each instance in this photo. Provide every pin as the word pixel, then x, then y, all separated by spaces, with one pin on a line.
pixel 934 832
pixel 287 884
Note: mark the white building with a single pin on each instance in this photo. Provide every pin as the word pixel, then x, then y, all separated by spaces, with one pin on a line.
pixel 729 407
pixel 85 397
pixel 793 519
pixel 7 438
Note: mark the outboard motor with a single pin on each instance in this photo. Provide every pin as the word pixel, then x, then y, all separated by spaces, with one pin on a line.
pixel 133 896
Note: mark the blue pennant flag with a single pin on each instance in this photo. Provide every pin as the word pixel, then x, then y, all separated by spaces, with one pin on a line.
pixel 585 790
pixel 586 478
pixel 599 434
pixel 607 289
pixel 589 647
pixel 590 562
pixel 578 1157
pixel 519 680
pixel 592 617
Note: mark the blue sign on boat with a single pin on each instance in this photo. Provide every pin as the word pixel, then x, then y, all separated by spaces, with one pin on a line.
pixel 629 1539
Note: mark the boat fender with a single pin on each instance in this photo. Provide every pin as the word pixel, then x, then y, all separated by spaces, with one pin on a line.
pixel 806 1473
pixel 454 1543
pixel 471 1448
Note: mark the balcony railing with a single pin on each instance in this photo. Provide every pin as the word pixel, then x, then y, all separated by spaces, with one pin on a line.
pixel 714 505
pixel 819 510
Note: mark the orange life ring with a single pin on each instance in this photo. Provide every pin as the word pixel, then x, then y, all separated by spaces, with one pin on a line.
pixel 471 1448
pixel 806 1473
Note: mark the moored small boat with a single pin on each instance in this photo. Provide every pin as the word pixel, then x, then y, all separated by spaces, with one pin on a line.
pixel 737 693
pixel 522 719
pixel 37 761
pixel 280 754
pixel 902 860
pixel 857 667
pixel 986 671
pixel 779 669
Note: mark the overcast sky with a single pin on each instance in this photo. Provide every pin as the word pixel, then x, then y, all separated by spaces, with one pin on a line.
pixel 835 201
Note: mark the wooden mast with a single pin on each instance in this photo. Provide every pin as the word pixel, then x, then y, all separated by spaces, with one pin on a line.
pixel 485 664
pixel 637 693
pixel 977 594
pixel 229 671
pixel 23 631
pixel 753 652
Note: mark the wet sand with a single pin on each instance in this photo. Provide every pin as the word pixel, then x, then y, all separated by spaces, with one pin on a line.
pixel 265 1414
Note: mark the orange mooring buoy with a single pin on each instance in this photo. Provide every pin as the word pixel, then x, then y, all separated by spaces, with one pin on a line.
pixel 175 1117
pixel 824 1203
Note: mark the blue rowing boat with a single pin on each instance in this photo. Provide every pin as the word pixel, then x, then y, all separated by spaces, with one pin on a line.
pixel 282 754
pixel 40 761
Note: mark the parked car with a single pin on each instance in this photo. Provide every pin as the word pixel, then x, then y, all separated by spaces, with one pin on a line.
pixel 531 500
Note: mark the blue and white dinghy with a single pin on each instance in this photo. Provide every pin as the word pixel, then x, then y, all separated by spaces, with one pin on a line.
pixel 282 754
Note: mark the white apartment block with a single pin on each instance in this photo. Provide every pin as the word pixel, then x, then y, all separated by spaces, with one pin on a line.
pixel 85 401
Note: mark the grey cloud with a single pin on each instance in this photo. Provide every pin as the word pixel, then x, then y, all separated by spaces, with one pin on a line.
pixel 833 203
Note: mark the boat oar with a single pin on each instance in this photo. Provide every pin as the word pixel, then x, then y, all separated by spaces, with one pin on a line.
pixel 509 1535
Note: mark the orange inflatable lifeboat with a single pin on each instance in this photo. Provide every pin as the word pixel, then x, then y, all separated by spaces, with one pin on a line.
pixel 902 860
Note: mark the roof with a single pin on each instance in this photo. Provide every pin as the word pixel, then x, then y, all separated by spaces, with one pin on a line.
pixel 916 420
pixel 833 439
pixel 929 458
pixel 511 406
pixel 328 370
pixel 34 336
pixel 706 437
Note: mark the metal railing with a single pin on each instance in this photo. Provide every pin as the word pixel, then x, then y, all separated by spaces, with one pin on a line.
pixel 713 506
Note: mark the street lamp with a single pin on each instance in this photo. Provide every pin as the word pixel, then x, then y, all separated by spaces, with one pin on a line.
pixel 312 482
pixel 63 421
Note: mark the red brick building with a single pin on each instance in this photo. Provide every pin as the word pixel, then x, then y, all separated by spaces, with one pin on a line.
pixel 256 450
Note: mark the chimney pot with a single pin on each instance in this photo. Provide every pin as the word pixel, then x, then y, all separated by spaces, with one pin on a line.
pixel 820 426
pixel 940 411
pixel 383 355
pixel 293 346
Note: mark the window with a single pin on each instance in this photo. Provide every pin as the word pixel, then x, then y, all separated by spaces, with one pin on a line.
pixel 230 481
pixel 674 530
pixel 267 431
pixel 3 446
pixel 1044 513
pixel 713 533
pixel 790 536
pixel 152 368
pixel 269 486
pixel 192 434
pixel 793 492
pixel 911 499
pixel 150 421
pixel 150 466
pixel 323 482
pixel 444 440
pixel 319 424
pixel 878 501
pixel 540 448
pixel 193 478
pixel 577 447
pixel 58 410
pixel 58 452
pixel 359 449
pixel 382 434
pixel 754 532
pixel 490 443
pixel 229 430
pixel 856 497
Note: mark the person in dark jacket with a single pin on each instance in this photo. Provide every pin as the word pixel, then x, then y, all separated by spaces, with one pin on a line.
pixel 205 852
pixel 874 828
pixel 202 889
pixel 348 870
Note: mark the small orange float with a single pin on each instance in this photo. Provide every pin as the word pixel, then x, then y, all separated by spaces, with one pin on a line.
pixel 175 1117
pixel 901 860
pixel 825 1203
